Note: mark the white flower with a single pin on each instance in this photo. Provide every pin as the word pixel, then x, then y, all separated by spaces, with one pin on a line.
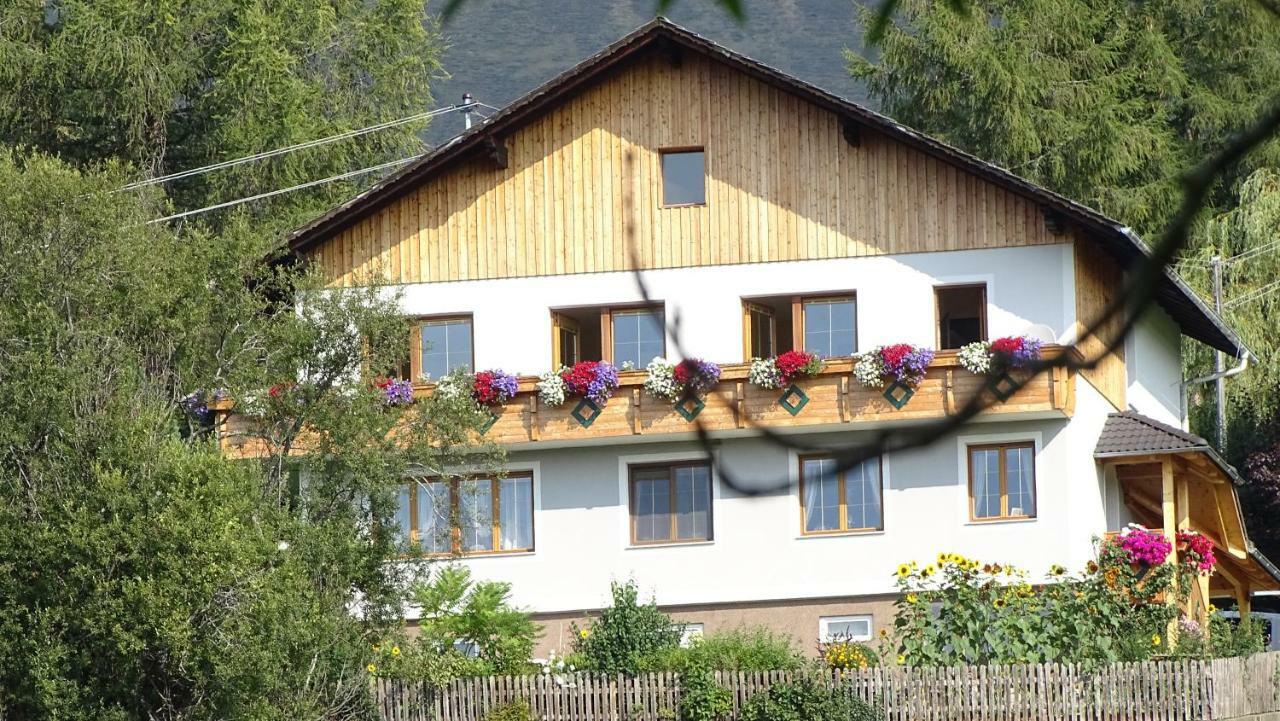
pixel 551 389
pixel 454 385
pixel 661 380
pixel 870 370
pixel 975 357
pixel 764 373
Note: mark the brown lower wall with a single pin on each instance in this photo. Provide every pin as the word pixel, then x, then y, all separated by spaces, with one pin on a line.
pixel 797 618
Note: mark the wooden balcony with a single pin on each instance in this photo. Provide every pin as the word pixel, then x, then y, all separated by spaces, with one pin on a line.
pixel 834 398
pixel 830 400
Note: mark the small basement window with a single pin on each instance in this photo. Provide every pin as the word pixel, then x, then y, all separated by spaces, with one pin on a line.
pixel 962 314
pixel 836 629
pixel 684 177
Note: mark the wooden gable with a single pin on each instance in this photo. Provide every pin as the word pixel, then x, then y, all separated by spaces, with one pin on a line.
pixel 579 190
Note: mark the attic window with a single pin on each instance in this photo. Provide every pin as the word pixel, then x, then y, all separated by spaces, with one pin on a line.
pixel 684 177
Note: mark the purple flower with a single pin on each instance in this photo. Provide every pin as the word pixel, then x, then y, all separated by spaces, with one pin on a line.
pixel 396 392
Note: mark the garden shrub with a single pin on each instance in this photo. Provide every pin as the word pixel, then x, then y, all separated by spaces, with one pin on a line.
pixel 701 698
pixel 625 633
pixel 842 654
pixel 808 698
pixel 959 611
pixel 754 648
pixel 514 711
pixel 1234 637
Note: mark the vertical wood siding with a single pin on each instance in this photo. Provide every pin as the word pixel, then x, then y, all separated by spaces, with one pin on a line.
pixel 582 191
pixel 1098 284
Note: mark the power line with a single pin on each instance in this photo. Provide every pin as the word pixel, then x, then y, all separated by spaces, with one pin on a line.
pixel 1247 254
pixel 289 149
pixel 303 186
pixel 1254 294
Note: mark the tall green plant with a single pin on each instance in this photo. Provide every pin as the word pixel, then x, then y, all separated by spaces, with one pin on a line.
pixel 625 633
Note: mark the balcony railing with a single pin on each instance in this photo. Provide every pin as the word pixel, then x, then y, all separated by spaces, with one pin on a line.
pixel 831 398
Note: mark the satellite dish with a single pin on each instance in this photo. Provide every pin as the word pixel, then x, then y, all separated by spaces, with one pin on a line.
pixel 1041 332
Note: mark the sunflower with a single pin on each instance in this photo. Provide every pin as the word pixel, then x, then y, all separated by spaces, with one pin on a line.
pixel 884 633
pixel 928 571
pixel 943 558
pixel 904 570
pixel 395 650
pixel 371 668
pixel 902 660
pixel 911 598
pixel 1155 639
pixel 1056 570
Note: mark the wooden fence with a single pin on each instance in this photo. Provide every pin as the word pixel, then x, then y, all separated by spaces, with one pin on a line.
pixel 1149 691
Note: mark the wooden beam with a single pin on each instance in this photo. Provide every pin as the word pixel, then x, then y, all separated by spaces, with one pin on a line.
pixel 1183 505
pixel 1168 513
pixel 1149 504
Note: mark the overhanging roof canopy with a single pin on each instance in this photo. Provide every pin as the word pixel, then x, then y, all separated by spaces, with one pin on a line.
pixel 660 35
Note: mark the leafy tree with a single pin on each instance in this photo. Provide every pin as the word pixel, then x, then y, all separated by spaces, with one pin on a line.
pixel 454 608
pixel 625 633
pixel 1104 101
pixel 143 574
pixel 173 87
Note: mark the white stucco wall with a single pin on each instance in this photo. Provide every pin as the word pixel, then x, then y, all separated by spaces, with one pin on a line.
pixel 1153 359
pixel 1027 286
pixel 758 553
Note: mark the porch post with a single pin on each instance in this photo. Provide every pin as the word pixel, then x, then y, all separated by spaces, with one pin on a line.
pixel 1169 513
pixel 1244 602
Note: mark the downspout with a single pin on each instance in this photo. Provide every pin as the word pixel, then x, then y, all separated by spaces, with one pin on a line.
pixel 1238 369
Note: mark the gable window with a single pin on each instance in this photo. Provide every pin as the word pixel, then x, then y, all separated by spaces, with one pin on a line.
pixel 684 178
pixel 1002 481
pixel 830 326
pixel 836 502
pixel 962 314
pixel 638 336
pixel 670 503
pixel 844 628
pixel 441 346
pixel 468 516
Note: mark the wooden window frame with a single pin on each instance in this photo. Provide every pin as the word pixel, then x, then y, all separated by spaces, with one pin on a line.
pixel 671 490
pixel 558 324
pixel 749 307
pixel 415 340
pixel 937 310
pixel 662 177
pixel 797 315
pixel 455 508
pixel 1004 481
pixel 606 325
pixel 844 530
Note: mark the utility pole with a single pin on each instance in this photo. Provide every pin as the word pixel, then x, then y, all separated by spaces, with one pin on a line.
pixel 1218 362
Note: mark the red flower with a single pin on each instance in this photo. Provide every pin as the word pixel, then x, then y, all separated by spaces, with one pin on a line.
pixel 483 389
pixel 382 383
pixel 684 371
pixel 579 377
pixel 892 355
pixel 793 364
pixel 1006 346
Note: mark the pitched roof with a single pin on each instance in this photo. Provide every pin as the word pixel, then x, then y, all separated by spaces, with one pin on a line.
pixel 1192 315
pixel 1133 434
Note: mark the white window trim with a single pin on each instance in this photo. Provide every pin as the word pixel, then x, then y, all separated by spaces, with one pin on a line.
pixel 962 471
pixel 824 624
pixel 624 496
pixel 797 522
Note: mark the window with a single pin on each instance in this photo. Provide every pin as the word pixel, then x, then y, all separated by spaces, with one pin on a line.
pixel 638 336
pixel 834 502
pixel 830 326
pixel 443 345
pixel 760 330
pixel 844 628
pixel 689 632
pixel 566 340
pixel 468 516
pixel 671 503
pixel 684 177
pixel 1002 481
pixel 962 314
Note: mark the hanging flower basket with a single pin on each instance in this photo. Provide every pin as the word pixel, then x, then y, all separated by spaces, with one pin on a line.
pixel 999 359
pixel 898 369
pixel 685 383
pixel 1195 551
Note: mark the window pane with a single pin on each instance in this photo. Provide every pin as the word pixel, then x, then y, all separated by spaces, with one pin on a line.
pixel 638 337
pixel 1020 479
pixel 862 495
pixel 433 517
pixel 446 346
pixel 652 505
pixel 515 506
pixel 568 347
pixel 853 629
pixel 986 483
pixel 761 334
pixel 402 517
pixel 821 495
pixel 830 327
pixel 683 178
pixel 693 502
pixel 475 515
